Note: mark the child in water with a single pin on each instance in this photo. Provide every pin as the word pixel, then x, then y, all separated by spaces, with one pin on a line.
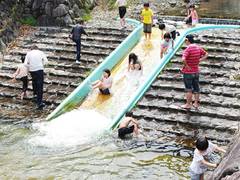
pixel 192 15
pixel 168 28
pixel 132 59
pixel 166 44
pixel 200 162
pixel 22 74
pixel 105 83
pixel 128 125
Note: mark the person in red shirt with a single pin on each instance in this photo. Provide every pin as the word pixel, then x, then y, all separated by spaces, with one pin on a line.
pixel 191 57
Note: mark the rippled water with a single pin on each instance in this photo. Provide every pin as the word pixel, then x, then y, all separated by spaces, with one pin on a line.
pixel 220 8
pixel 211 9
pixel 103 158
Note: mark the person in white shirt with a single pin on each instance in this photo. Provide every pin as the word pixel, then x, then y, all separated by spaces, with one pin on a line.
pixel 35 61
pixel 168 29
pixel 200 162
pixel 22 74
pixel 105 83
pixel 122 11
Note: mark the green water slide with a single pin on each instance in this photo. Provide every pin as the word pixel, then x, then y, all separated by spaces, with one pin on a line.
pixel 80 93
pixel 153 75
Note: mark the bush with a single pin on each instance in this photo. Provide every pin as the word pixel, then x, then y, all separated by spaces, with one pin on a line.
pixel 86 17
pixel 29 21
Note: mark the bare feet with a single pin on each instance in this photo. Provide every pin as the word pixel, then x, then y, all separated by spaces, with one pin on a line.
pixel 196 105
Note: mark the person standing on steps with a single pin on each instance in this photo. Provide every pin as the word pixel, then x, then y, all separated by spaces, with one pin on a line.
pixel 76 34
pixel 147 19
pixel 35 61
pixel 22 74
pixel 122 11
pixel 191 57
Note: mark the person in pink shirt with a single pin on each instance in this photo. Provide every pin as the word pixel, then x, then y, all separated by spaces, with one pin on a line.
pixel 22 74
pixel 192 14
pixel 191 57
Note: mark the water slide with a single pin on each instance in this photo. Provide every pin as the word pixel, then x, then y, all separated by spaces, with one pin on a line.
pixel 125 94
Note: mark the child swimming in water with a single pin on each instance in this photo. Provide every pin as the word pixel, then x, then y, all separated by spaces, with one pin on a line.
pixel 105 83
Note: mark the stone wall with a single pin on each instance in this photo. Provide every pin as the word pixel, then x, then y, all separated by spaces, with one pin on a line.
pixel 46 13
pixel 57 12
pixel 10 11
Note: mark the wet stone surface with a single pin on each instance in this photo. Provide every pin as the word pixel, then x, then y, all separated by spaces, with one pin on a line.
pixel 218 115
pixel 62 74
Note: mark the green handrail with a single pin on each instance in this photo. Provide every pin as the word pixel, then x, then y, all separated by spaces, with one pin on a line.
pixel 159 67
pixel 79 94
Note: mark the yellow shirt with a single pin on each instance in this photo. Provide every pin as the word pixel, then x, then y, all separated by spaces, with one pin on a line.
pixel 147 16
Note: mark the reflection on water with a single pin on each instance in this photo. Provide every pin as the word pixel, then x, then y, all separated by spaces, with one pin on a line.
pixel 220 8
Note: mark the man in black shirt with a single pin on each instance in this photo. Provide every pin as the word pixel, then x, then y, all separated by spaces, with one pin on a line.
pixel 76 34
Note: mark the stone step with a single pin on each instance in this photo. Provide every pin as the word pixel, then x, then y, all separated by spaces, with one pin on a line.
pixel 84 38
pixel 93 33
pixel 88 29
pixel 226 96
pixel 176 130
pixel 74 82
pixel 86 60
pixel 62 89
pixel 175 95
pixel 209 70
pixel 217 42
pixel 67 44
pixel 218 49
pixel 204 110
pixel 16 110
pixel 227 65
pixel 52 49
pixel 217 56
pixel 222 82
pixel 69 68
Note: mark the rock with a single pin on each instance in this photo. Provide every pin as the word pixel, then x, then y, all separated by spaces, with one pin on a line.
pixel 228 169
pixel 46 20
pixel 2 45
pixel 36 4
pixel 235 176
pixel 48 8
pixel 67 19
pixel 172 3
pixel 60 11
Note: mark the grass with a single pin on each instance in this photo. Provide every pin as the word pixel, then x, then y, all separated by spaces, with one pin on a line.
pixel 31 21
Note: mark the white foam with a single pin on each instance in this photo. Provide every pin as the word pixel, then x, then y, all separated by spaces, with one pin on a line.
pixel 70 129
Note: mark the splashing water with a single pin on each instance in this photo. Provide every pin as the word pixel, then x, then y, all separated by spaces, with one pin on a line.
pixel 70 129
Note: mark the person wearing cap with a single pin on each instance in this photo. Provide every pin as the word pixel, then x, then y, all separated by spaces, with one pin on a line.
pixel 76 34
pixel 35 61
pixel 127 126
pixel 191 57
pixel 147 19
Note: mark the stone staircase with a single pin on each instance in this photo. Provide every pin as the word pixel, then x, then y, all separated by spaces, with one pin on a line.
pixel 219 114
pixel 62 74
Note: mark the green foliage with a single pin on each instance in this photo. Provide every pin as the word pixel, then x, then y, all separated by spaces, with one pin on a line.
pixel 111 4
pixel 86 17
pixel 29 21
